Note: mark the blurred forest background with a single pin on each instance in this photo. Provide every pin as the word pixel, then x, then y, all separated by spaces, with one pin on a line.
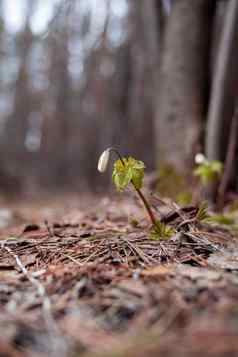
pixel 155 78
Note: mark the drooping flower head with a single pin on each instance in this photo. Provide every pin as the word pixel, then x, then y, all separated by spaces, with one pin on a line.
pixel 103 160
pixel 200 159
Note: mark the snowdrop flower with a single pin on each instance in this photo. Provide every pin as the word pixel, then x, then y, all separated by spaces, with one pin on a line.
pixel 200 159
pixel 103 160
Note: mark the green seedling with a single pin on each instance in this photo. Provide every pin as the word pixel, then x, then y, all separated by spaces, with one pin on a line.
pixel 224 220
pixel 133 222
pixel 162 231
pixel 127 170
pixel 220 219
pixel 208 171
pixel 202 213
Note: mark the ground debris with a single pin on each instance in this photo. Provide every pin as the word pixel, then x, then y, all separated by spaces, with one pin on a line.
pixel 83 283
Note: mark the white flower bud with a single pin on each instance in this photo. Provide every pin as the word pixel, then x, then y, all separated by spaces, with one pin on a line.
pixel 200 159
pixel 103 160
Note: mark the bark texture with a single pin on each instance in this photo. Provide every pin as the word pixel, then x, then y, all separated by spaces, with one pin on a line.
pixel 183 82
pixel 224 86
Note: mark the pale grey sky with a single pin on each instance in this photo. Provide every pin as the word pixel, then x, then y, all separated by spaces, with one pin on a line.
pixel 14 12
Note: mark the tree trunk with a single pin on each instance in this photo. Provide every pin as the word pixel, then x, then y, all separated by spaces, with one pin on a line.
pixel 143 66
pixel 224 87
pixel 184 82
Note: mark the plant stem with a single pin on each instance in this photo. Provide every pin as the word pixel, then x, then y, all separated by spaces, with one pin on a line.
pixel 146 204
pixel 118 154
pixel 139 192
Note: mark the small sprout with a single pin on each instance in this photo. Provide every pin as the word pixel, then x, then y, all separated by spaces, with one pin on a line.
pixel 128 170
pixel 227 220
pixel 162 232
pixel 104 160
pixel 134 223
pixel 202 213
pixel 125 171
pixel 220 219
pixel 207 171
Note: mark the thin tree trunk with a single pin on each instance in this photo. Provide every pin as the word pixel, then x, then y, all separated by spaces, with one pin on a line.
pixel 222 102
pixel 229 167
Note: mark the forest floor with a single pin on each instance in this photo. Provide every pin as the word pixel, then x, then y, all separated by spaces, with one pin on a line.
pixel 81 277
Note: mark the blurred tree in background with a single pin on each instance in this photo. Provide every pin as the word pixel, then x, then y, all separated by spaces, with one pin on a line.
pixel 184 81
pixel 77 76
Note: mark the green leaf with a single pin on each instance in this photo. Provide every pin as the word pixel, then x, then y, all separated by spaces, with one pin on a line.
pixel 221 219
pixel 131 171
pixel 162 232
pixel 216 166
pixel 137 170
pixel 209 171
